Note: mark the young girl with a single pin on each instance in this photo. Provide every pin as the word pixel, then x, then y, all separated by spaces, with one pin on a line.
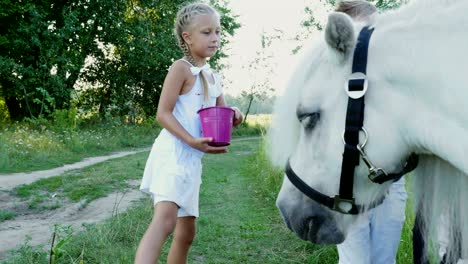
pixel 173 171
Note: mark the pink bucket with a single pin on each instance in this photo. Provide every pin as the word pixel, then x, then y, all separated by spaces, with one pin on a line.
pixel 216 122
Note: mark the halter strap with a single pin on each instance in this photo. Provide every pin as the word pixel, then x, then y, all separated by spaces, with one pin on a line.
pixel 411 164
pixel 330 202
pixel 354 117
pixel 357 86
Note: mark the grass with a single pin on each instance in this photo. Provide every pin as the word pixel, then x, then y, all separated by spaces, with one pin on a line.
pixel 24 147
pixel 239 222
pixel 255 125
pixel 6 215
pixel 36 146
pixel 269 179
pixel 84 185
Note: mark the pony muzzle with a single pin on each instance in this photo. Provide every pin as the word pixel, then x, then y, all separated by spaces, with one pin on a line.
pixel 311 222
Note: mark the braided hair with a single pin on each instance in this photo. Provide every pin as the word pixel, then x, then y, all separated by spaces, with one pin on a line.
pixel 184 21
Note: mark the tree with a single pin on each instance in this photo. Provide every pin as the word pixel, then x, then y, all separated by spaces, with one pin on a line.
pixel 264 106
pixel 133 76
pixel 120 48
pixel 380 4
pixel 261 69
pixel 312 23
pixel 43 46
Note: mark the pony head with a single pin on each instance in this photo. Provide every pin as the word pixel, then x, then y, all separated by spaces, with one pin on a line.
pixel 415 103
pixel 309 122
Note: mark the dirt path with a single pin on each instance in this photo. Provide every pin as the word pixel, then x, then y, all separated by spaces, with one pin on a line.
pixel 39 226
pixel 9 181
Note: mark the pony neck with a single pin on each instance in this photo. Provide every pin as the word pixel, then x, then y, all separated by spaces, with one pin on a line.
pixel 419 65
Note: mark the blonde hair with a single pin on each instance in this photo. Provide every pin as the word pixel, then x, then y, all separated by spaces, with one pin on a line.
pixel 183 23
pixel 357 9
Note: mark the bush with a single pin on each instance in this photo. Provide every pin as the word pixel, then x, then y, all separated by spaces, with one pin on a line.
pixel 4 114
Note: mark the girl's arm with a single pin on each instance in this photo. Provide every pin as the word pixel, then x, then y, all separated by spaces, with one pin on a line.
pixel 175 80
pixel 238 117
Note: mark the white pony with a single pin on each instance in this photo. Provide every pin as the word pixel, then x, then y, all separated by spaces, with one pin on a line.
pixel 416 102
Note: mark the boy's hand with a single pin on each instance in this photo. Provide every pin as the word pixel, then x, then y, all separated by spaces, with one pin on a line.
pixel 237 116
pixel 202 145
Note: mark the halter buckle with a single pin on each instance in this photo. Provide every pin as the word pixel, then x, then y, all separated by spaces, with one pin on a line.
pixel 356 86
pixel 340 204
pixel 375 174
pixel 361 146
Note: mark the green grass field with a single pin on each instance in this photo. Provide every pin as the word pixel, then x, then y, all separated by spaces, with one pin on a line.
pixel 239 222
pixel 28 147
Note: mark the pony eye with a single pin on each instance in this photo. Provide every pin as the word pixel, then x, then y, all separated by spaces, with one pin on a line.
pixel 309 120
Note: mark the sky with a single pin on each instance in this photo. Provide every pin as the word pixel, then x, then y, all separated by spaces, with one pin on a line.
pixel 255 17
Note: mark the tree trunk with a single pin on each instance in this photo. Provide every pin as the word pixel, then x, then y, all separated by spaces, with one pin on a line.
pixel 248 108
pixel 104 103
pixel 14 109
pixel 14 106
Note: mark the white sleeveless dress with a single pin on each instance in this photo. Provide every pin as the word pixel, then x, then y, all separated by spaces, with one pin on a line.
pixel 173 169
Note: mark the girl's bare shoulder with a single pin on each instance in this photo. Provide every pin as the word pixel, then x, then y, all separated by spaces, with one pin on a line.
pixel 180 67
pixel 179 76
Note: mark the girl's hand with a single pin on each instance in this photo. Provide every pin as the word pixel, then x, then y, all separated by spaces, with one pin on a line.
pixel 202 145
pixel 237 116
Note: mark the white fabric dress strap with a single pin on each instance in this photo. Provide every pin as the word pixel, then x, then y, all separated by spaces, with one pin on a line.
pixel 214 89
pixel 196 70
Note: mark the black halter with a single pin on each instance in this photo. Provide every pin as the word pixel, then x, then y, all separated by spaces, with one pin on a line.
pixel 353 151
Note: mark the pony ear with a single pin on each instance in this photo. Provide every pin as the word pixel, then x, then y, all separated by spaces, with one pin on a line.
pixel 339 33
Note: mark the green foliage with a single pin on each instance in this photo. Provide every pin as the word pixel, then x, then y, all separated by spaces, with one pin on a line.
pixel 4 115
pixel 27 254
pixel 388 4
pixel 238 217
pixel 6 215
pixel 267 177
pixel 44 47
pixel 41 144
pixel 60 238
pixel 380 4
pixel 115 53
pixel 234 220
pixel 82 186
pixel 246 129
pixel 64 119
pixel 312 23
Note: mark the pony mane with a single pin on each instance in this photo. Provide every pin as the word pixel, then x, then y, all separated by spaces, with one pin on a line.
pixel 418 12
pixel 283 133
pixel 440 190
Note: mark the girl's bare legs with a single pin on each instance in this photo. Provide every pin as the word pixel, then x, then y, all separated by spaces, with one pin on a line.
pixel 182 240
pixel 162 225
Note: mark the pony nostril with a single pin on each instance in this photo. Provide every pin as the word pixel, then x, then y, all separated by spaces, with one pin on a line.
pixel 313 224
pixel 315 220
